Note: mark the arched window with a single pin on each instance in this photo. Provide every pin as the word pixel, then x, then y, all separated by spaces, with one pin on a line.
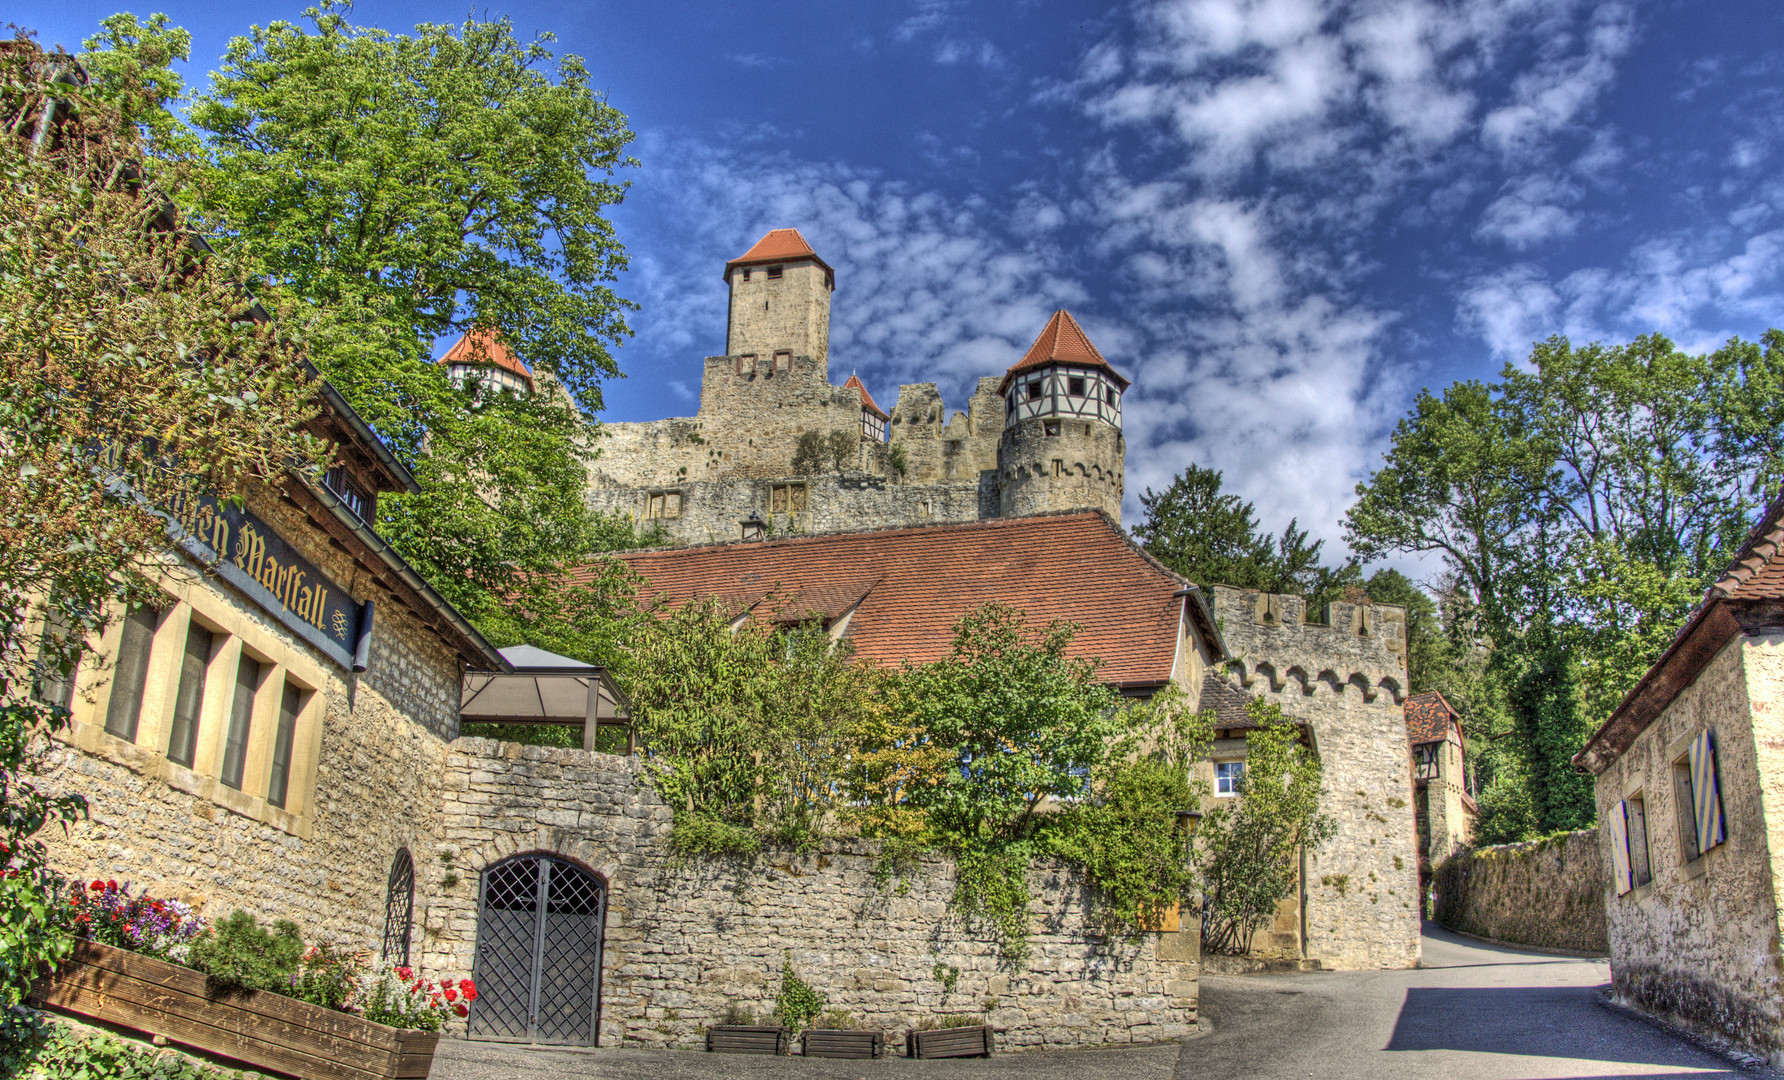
pixel 399 908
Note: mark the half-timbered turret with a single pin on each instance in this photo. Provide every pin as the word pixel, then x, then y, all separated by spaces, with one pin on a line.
pixel 1062 447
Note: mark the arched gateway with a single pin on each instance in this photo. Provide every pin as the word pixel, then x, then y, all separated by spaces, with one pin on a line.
pixel 538 966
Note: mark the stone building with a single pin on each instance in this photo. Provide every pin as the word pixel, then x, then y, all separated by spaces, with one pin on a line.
pixel 1442 787
pixel 775 442
pixel 1689 768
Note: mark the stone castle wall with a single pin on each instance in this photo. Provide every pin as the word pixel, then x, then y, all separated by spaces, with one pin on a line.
pixel 1345 676
pixel 1547 893
pixel 1078 465
pixel 686 940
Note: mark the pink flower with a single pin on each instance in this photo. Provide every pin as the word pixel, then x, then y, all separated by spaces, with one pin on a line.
pixel 405 973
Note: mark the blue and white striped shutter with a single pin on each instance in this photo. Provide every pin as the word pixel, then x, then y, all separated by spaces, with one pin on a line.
pixel 1620 847
pixel 1706 792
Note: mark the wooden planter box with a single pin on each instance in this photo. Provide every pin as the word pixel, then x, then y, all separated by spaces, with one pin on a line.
pixel 844 1043
pixel 976 1041
pixel 746 1039
pixel 267 1031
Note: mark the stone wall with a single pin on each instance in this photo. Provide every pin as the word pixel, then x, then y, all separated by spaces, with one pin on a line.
pixel 1701 940
pixel 1080 464
pixel 1547 893
pixel 1345 674
pixel 685 940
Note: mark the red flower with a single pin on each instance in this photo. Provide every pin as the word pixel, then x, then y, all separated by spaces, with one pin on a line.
pixel 97 886
pixel 470 992
pixel 112 885
pixel 405 973
pixel 434 1001
pixel 467 985
pixel 461 1009
pixel 451 994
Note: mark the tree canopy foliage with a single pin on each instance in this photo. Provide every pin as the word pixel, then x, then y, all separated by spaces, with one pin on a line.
pixel 1580 506
pixel 398 190
pixel 1211 537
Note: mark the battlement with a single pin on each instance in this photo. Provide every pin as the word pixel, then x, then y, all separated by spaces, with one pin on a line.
pixel 1280 647
pixel 736 384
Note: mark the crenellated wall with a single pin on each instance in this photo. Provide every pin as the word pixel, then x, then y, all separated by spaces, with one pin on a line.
pixel 1344 673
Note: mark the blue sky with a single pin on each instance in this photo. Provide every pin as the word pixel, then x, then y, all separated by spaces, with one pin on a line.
pixel 1281 218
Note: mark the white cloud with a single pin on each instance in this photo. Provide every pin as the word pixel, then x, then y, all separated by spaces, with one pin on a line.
pixel 1529 211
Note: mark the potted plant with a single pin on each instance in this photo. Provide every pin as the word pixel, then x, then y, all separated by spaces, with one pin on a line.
pixel 130 969
pixel 836 1036
pixel 953 1035
pixel 740 1034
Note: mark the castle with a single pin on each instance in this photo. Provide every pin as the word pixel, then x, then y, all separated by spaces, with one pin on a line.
pixel 776 448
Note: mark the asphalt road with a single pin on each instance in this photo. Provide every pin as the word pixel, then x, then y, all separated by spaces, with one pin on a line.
pixel 1472 1012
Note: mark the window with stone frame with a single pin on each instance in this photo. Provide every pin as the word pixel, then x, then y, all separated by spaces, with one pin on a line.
pixel 774 273
pixel 130 671
pixel 783 361
pixel 1640 869
pixel 662 504
pixel 182 737
pixel 787 499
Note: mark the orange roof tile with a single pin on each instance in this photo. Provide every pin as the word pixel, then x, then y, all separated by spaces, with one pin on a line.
pixel 867 401
pixel 1428 718
pixel 485 348
pixel 779 245
pixel 908 586
pixel 1062 341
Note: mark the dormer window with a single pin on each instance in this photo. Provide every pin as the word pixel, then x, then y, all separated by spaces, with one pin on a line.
pixel 774 273
pixel 1075 386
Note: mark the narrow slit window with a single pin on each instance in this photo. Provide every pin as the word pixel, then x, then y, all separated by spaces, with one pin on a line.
pixel 130 672
pixel 241 720
pixel 1058 467
pixel 290 704
pixel 50 683
pixel 182 739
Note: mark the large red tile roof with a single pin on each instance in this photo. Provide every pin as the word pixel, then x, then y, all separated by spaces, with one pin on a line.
pixel 778 245
pixel 1062 341
pixel 483 347
pixel 907 587
pixel 867 401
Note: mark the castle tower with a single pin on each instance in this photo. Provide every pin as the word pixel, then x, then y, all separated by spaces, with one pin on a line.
pixel 1061 447
pixel 780 304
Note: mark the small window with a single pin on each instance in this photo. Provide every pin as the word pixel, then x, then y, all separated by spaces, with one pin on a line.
pixel 746 273
pixel 774 273
pixel 1109 395
pixel 1229 776
pixel 1058 467
pixel 1698 796
pixel 783 360
pixel 1034 390
pixel 279 784
pixel 50 683
pixel 746 364
pixel 130 672
pixel 1075 386
pixel 1052 428
pixel 182 740
pixel 399 908
pixel 1629 844
pixel 241 719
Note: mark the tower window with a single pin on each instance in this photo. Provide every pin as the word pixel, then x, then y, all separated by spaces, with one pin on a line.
pixel 783 360
pixel 1034 390
pixel 1109 395
pixel 746 364
pixel 1052 427
pixel 1058 467
pixel 1075 386
pixel 774 273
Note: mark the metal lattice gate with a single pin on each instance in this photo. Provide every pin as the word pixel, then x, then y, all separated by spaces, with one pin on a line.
pixel 538 966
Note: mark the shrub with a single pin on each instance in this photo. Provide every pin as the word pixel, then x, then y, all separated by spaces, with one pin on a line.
pixel 237 953
pixel 399 998
pixel 326 978
pixel 34 1047
pixel 797 1004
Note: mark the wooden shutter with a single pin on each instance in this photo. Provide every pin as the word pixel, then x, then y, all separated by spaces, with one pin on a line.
pixel 1620 847
pixel 1706 793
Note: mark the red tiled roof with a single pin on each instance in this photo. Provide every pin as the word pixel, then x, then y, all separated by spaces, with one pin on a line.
pixel 1428 718
pixel 779 245
pixel 1062 341
pixel 1756 573
pixel 1231 705
pixel 867 401
pixel 907 587
pixel 493 352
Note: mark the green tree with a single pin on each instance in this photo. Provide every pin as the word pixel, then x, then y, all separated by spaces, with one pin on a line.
pixel 401 189
pixel 1211 537
pixel 133 370
pixel 1248 850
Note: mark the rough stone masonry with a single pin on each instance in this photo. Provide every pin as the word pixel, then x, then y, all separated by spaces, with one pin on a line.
pixel 686 940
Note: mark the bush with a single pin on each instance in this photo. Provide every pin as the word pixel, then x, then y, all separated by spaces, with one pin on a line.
pixel 238 954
